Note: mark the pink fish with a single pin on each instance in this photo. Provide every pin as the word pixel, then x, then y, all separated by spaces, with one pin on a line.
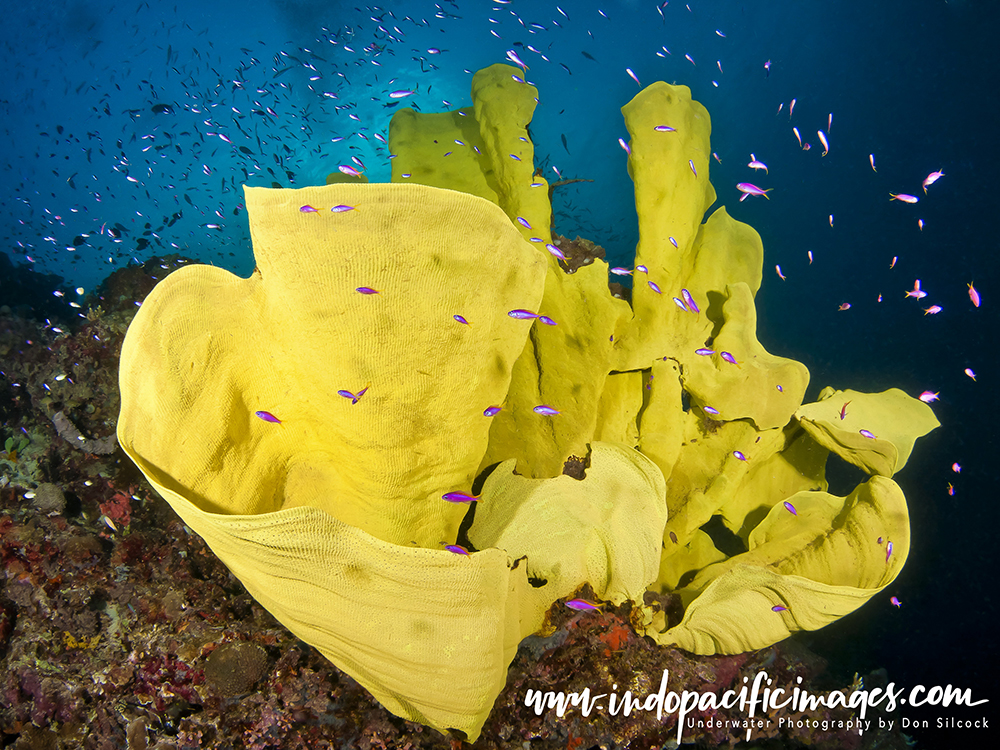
pixel 457 549
pixel 691 164
pixel 632 75
pixel 664 129
pixel 491 411
pixel 797 136
pixel 931 179
pixel 754 164
pixel 618 271
pixel 582 605
pixel 349 170
pixel 545 410
pixel 341 209
pixel 916 293
pixel 641 269
pixel 822 139
pixel 780 274
pixel 791 108
pixel 654 287
pixel 970 373
pixel 871 160
pixel 459 497
pixel 308 209
pixel 894 601
pixel 739 455
pixel 704 352
pixel 681 304
pixel 974 295
pixel 546 320
pixel 888 551
pixel 625 146
pixel 790 508
pixel 844 306
pixel 750 189
pixel 956 467
pixel 905 198
pixel 932 310
pixel 729 358
pixel 870 436
pixel 267 417
pixel 402 93
pixel 928 397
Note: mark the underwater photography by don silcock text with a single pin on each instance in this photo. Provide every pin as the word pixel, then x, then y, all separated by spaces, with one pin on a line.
pixel 524 374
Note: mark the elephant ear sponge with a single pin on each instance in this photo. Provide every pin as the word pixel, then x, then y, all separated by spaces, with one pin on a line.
pixel 327 505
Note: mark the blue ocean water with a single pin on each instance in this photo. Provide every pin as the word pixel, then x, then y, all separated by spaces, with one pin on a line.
pixel 129 129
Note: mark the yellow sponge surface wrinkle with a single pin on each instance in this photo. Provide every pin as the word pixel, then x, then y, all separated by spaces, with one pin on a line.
pixel 815 567
pixel 605 529
pixel 893 419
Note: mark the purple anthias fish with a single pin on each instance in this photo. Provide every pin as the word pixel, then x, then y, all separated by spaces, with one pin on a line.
pixel 867 434
pixel 523 222
pixel 546 320
pixel 461 320
pixel 681 304
pixel 739 455
pixel 790 508
pixel 665 129
pixel 704 352
pixel 690 301
pixel 366 290
pixel 888 551
pixel 457 549
pixel 491 411
pixel 654 287
pixel 779 608
pixel 307 209
pixel 545 410
pixel 520 314
pixel 710 410
pixel 459 497
pixel 582 605
pixel 354 396
pixel 729 358
pixel 268 417
pixel 341 209
pixel 557 252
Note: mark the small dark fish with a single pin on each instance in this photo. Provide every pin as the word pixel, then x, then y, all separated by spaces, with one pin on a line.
pixel 673 537
pixel 587 55
pixel 459 497
pixel 268 417
pixel 565 144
